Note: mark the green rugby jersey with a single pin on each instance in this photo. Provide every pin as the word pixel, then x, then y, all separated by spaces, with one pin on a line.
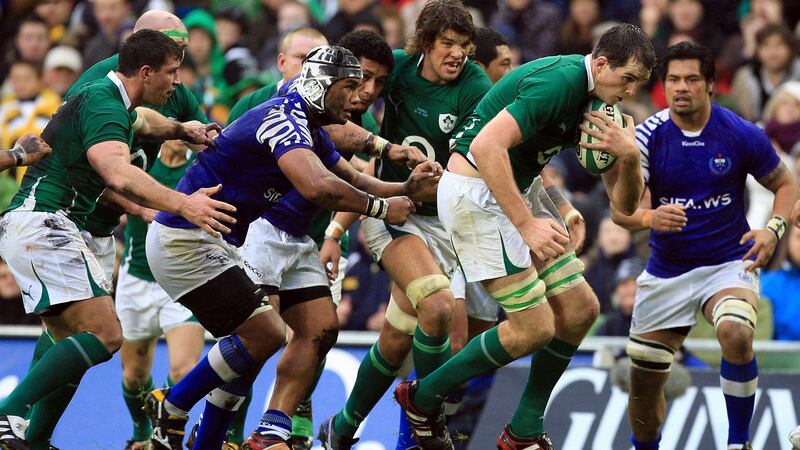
pixel 181 105
pixel 136 229
pixel 252 100
pixel 425 114
pixel 65 181
pixel 546 97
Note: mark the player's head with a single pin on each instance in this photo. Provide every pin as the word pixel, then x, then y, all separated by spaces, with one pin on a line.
pixel 375 57
pixel 329 83
pixel 153 59
pixel 492 53
pixel 688 73
pixel 444 34
pixel 294 47
pixel 166 23
pixel 621 62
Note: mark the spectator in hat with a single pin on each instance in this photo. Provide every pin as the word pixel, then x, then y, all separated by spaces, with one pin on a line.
pixel 62 66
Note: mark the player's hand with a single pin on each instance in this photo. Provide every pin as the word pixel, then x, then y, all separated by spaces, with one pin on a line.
pixel 546 239
pixel 207 213
pixel 669 218
pixel 764 242
pixel 399 210
pixel 610 137
pixel 407 155
pixel 329 256
pixel 148 214
pixel 196 132
pixel 577 232
pixel 33 148
pixel 796 214
pixel 423 181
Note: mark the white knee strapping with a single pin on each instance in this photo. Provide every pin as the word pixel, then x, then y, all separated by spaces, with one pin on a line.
pixel 563 274
pixel 399 319
pixel 730 308
pixel 652 356
pixel 425 286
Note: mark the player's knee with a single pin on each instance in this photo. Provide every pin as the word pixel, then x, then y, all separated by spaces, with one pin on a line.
pixel 735 322
pixel 110 334
pixel 325 340
pixel 649 356
pixel 134 376
pixel 438 307
pixel 178 371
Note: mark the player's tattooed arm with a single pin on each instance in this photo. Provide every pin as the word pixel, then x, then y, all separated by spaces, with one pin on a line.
pixel 351 138
pixel 781 182
pixel 420 186
pixel 28 149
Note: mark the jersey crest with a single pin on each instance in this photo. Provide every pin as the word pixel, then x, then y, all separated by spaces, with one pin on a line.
pixel 447 122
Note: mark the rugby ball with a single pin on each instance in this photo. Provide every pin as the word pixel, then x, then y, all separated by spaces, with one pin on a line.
pixel 593 160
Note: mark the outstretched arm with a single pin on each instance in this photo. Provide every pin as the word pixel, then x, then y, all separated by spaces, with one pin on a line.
pixel 111 159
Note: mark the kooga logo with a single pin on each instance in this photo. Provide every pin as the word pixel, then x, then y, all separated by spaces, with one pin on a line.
pixel 693 144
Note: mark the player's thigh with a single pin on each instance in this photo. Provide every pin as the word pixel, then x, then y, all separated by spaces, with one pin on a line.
pixel 185 342
pixel 104 249
pixel 137 307
pixel 729 281
pixel 97 316
pixel 313 319
pixel 517 292
pixel 49 260
pixel 666 303
pixel 268 253
pixel 405 256
pixel 304 280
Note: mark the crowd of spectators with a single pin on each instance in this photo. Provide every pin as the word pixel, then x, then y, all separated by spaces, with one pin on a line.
pixel 232 51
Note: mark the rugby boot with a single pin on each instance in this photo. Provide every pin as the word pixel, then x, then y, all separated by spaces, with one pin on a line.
pixel 301 442
pixel 12 433
pixel 168 430
pixel 330 441
pixel 430 429
pixel 258 442
pixel 510 441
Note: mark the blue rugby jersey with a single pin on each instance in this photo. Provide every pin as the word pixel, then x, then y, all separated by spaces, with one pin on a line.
pixel 704 171
pixel 245 161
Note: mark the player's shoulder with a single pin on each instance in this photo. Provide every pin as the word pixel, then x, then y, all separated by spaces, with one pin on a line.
pixel 654 123
pixel 732 123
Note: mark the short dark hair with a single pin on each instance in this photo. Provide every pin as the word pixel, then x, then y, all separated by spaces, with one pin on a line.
pixel 486 43
pixel 368 44
pixel 32 18
pixel 689 50
pixel 625 42
pixel 147 48
pixel 436 17
pixel 780 30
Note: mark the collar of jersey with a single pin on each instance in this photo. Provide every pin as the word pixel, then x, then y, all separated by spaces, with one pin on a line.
pixel 114 78
pixel 587 61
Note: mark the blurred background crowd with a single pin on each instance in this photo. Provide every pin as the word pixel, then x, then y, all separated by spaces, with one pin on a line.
pixel 232 51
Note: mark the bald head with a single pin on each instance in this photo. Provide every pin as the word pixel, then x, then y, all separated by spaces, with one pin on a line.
pixel 164 22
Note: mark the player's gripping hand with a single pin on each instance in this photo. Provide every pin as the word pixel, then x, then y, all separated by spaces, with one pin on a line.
pixel 546 239
pixel 669 218
pixel 764 242
pixel 423 181
pixel 408 155
pixel 577 232
pixel 329 256
pixel 207 213
pixel 148 214
pixel 196 132
pixel 610 137
pixel 33 148
pixel 399 210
